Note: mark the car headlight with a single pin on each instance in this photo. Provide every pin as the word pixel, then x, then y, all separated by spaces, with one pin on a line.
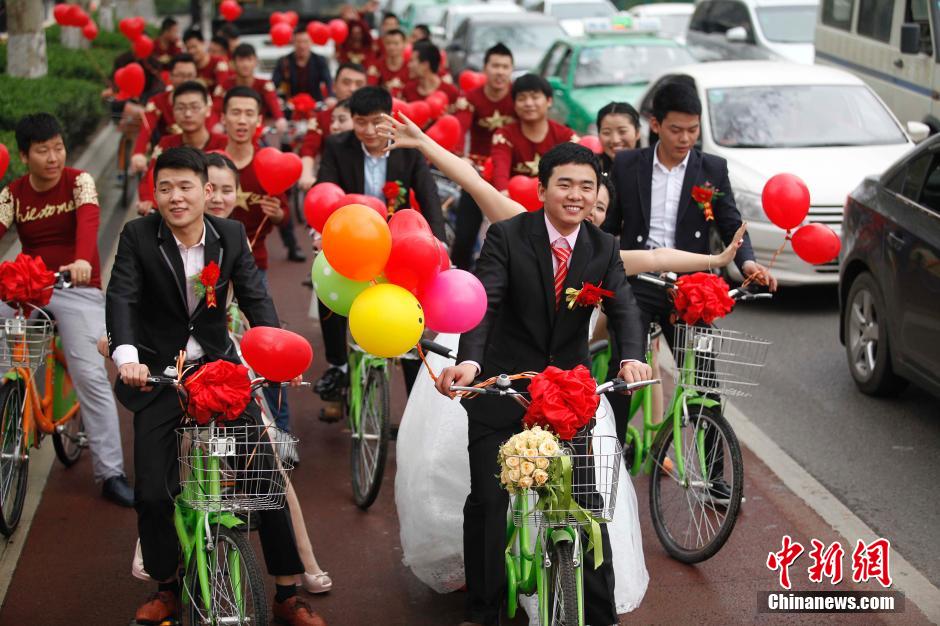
pixel 750 206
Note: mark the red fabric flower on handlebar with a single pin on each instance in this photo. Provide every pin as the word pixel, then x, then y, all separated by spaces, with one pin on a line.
pixel 26 281
pixel 219 390
pixel 701 297
pixel 562 400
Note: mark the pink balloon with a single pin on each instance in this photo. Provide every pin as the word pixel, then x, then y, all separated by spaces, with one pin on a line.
pixel 453 302
pixel 407 221
pixel 592 143
pixel 816 243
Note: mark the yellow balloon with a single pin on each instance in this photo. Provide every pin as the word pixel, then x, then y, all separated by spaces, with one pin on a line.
pixel 386 320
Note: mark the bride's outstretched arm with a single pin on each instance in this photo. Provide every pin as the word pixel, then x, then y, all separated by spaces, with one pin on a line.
pixel 406 134
pixel 679 261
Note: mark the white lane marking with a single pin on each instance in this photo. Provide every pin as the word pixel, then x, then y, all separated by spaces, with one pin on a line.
pixel 914 585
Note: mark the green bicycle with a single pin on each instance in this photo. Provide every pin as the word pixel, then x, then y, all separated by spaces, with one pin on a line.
pixel 693 456
pixel 226 473
pixel 367 408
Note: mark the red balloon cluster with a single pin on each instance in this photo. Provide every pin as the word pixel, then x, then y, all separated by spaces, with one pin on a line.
pixel 90 30
pixel 319 33
pixel 284 17
pixel 132 27
pixel 339 30
pixel 525 191
pixel 816 243
pixel 70 15
pixel 469 79
pixel 418 112
pixel 276 354
pixel 438 102
pixel 277 171
pixel 281 33
pixel 447 132
pixel 130 80
pixel 143 47
pixel 230 10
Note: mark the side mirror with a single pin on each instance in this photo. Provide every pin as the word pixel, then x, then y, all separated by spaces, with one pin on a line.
pixel 910 38
pixel 738 34
pixel 918 131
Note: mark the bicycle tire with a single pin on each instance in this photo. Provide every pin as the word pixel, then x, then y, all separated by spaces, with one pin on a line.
pixel 564 604
pixel 712 527
pixel 14 468
pixel 71 441
pixel 231 541
pixel 373 427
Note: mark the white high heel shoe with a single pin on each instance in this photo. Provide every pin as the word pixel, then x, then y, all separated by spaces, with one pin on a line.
pixel 315 583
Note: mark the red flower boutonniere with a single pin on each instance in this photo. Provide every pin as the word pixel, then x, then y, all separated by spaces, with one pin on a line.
pixel 204 283
pixel 395 194
pixel 703 196
pixel 587 295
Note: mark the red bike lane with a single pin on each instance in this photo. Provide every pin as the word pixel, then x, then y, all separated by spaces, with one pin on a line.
pixel 75 565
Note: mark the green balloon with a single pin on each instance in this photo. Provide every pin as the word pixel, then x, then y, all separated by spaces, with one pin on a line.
pixel 334 290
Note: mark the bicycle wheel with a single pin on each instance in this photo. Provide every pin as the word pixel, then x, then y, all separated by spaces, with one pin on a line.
pixel 370 443
pixel 70 441
pixel 564 604
pixel 694 514
pixel 14 456
pixel 236 584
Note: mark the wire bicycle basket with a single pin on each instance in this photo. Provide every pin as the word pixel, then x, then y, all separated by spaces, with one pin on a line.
pixel 719 360
pixel 595 472
pixel 25 341
pixel 234 468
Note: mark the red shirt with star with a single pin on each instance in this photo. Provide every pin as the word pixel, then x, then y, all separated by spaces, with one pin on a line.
pixel 215 142
pixel 410 93
pixel 393 80
pixel 59 224
pixel 159 115
pixel 164 53
pixel 513 153
pixel 248 211
pixel 318 129
pixel 214 73
pixel 271 106
pixel 482 117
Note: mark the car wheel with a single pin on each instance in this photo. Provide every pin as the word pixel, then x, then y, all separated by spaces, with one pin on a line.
pixel 866 339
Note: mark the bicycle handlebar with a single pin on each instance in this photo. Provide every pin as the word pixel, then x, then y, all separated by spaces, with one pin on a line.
pixel 738 294
pixel 432 346
pixel 502 387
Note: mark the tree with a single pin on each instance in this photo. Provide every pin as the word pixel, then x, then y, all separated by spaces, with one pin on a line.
pixel 26 46
pixel 71 37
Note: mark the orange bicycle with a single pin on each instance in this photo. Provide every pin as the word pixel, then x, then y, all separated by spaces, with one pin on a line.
pixel 27 342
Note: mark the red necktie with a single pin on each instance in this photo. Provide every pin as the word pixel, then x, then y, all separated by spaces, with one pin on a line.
pixel 562 254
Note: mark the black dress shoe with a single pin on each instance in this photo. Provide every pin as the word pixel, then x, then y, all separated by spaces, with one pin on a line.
pixel 331 384
pixel 118 491
pixel 719 493
pixel 296 257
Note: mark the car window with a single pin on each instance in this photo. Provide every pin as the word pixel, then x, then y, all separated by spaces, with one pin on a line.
pixel 788 24
pixel 918 12
pixel 874 19
pixel 460 34
pixel 519 36
pixel 838 13
pixel 726 15
pixel 699 19
pixel 564 68
pixel 914 175
pixel 553 59
pixel 581 10
pixel 625 65
pixel 930 194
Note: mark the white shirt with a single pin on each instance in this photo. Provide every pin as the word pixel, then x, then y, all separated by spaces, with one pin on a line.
pixel 374 173
pixel 664 201
pixel 193 263
pixel 554 235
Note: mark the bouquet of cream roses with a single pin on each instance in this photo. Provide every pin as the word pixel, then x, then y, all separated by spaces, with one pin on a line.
pixel 525 460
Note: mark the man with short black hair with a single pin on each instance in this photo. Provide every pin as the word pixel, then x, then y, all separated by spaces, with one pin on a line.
pixel 56 214
pixel 425 79
pixel 518 147
pixel 167 44
pixel 526 265
pixel 302 71
pixel 420 32
pixel 391 70
pixel 245 62
pixel 210 69
pixel 158 113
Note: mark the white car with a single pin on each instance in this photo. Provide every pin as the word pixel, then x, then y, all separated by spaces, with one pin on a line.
pixel 766 117
pixel 443 33
pixel 578 17
pixel 671 18
pixel 780 30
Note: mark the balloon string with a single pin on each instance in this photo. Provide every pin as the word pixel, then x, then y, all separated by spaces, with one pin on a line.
pixel 770 265
pixel 480 385
pixel 251 244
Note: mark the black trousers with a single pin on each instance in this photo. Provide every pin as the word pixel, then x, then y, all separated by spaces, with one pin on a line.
pixel 469 218
pixel 484 538
pixel 156 483
pixel 286 230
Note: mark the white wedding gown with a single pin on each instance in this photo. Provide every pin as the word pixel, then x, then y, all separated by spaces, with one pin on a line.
pixel 432 481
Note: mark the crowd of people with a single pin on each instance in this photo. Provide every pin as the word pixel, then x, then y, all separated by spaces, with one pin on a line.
pixel 200 128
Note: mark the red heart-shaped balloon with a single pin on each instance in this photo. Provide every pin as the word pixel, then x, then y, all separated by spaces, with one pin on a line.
pixel 292 18
pixel 76 16
pixel 90 31
pixel 277 171
pixel 420 113
pixel 446 131
pixel 407 221
pixel 130 80
pixel 230 10
pixel 132 27
pixel 470 80
pixel 276 354
pixel 278 17
pixel 319 33
pixel 143 47
pixel 59 12
pixel 281 34
pixel 525 191
pixel 360 198
pixel 339 30
pixel 320 202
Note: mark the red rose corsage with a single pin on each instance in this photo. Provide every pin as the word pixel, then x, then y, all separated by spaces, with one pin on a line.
pixel 205 283
pixel 394 192
pixel 704 196
pixel 587 295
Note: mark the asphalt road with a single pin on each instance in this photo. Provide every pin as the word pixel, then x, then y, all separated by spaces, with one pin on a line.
pixel 877 455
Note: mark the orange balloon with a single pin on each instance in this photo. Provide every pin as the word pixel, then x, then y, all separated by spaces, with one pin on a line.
pixel 357 242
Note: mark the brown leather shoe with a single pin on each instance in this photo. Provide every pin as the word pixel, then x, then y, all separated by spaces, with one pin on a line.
pixel 158 607
pixel 295 611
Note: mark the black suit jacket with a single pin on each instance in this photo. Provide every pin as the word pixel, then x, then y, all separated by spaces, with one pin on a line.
pixel 629 217
pixel 522 330
pixel 286 76
pixel 343 163
pixel 146 298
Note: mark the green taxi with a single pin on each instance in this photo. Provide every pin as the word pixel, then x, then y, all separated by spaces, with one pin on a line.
pixel 588 72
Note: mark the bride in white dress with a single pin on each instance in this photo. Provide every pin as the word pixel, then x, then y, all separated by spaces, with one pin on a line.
pixel 433 469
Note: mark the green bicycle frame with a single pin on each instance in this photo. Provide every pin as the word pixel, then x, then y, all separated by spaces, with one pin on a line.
pixel 359 365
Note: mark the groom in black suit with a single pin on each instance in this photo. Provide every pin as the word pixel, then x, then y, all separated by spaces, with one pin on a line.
pixel 152 313
pixel 526 264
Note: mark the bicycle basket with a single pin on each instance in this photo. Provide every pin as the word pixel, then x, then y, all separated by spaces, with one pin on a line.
pixel 719 360
pixel 234 468
pixel 24 341
pixel 595 471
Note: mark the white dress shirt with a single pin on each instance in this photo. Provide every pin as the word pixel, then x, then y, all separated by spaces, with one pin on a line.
pixel 664 201
pixel 193 262
pixel 374 173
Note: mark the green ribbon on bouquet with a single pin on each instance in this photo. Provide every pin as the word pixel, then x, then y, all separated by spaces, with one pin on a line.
pixel 560 502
